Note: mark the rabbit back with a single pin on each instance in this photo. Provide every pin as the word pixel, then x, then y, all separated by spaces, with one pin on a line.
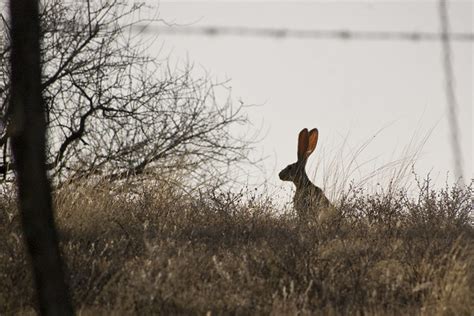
pixel 310 201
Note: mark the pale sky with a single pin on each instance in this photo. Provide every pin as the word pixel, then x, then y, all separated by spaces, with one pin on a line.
pixel 348 89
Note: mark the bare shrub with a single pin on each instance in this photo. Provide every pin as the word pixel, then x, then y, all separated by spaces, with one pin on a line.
pixel 115 112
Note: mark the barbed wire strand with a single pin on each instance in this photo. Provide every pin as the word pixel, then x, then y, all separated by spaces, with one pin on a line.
pixel 282 33
pixel 449 91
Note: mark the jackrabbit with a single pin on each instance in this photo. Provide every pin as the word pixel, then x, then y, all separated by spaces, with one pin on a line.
pixel 309 200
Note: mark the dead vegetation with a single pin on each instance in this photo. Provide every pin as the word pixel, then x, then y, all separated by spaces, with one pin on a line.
pixel 160 251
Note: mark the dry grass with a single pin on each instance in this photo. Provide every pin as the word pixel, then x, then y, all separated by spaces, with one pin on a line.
pixel 160 251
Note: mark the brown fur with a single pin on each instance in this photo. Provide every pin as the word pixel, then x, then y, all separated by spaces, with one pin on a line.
pixel 309 200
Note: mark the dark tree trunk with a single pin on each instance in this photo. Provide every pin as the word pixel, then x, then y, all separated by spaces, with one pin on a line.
pixel 27 130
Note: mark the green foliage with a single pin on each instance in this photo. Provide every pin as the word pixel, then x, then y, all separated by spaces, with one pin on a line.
pixel 144 249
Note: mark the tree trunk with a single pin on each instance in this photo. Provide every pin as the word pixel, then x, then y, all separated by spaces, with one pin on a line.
pixel 27 130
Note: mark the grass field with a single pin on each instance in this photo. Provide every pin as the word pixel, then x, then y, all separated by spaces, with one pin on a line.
pixel 162 251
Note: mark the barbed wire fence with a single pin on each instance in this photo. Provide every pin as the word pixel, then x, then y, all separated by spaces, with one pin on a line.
pixel 445 36
pixel 282 33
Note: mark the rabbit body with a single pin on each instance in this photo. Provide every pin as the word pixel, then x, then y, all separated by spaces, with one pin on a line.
pixel 310 202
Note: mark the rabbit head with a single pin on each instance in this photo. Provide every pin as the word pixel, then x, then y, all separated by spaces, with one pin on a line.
pixel 306 144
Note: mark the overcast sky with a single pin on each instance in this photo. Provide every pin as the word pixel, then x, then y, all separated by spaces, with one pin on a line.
pixel 389 92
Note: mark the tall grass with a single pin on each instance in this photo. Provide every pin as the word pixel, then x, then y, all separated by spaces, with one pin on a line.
pixel 159 250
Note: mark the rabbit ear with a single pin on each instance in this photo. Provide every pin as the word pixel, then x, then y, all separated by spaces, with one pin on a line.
pixel 312 141
pixel 302 144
